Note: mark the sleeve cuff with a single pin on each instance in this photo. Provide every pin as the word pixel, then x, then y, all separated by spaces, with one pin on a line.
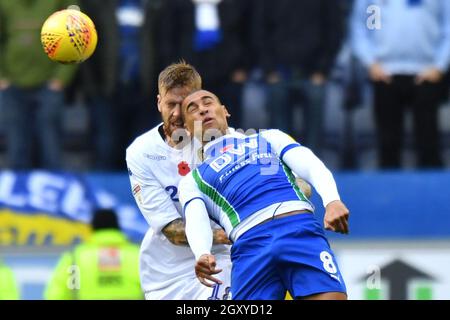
pixel 186 204
pixel 287 148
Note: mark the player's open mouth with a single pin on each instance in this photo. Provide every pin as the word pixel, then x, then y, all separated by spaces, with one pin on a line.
pixel 177 124
pixel 207 121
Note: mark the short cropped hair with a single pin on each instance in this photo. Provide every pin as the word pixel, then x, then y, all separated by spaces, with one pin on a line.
pixel 104 219
pixel 180 74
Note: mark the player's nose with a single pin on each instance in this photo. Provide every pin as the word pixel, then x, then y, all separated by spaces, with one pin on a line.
pixel 203 109
pixel 177 110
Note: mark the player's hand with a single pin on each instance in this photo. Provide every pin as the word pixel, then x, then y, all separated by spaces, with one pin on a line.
pixel 336 217
pixel 205 268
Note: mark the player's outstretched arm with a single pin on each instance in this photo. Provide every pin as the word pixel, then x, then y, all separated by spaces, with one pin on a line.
pixel 175 231
pixel 312 170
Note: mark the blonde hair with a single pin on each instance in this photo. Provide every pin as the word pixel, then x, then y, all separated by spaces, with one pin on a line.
pixel 180 74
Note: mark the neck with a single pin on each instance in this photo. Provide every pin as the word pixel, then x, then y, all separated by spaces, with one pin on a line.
pixel 219 133
pixel 170 142
pixel 174 144
pixel 168 138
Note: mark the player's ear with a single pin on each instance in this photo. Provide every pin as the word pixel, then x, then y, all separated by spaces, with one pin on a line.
pixel 227 114
pixel 158 101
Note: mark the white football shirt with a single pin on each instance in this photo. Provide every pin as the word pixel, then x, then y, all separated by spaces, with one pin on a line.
pixel 155 169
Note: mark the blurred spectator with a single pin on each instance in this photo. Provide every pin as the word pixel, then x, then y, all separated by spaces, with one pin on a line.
pixel 119 80
pixel 405 45
pixel 106 267
pixel 8 285
pixel 32 85
pixel 214 36
pixel 298 41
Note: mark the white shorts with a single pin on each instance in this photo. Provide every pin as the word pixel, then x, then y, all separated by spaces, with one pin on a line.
pixel 192 289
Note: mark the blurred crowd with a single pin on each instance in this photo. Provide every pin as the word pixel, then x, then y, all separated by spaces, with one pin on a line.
pixel 287 64
pixel 103 267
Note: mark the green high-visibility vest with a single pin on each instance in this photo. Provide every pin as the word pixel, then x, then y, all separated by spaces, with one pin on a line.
pixel 106 267
pixel 8 285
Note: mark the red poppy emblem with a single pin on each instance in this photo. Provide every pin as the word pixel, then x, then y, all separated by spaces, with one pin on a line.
pixel 183 168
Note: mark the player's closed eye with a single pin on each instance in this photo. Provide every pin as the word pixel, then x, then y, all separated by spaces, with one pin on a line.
pixel 192 108
pixel 207 102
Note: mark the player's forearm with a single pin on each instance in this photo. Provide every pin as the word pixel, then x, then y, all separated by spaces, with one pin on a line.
pixel 198 229
pixel 306 165
pixel 175 232
pixel 220 237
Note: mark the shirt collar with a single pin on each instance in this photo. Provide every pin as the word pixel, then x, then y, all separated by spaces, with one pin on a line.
pixel 211 148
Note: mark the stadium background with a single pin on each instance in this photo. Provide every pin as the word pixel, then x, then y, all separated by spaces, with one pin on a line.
pixel 399 242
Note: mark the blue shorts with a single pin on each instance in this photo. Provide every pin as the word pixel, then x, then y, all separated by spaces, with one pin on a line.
pixel 289 253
